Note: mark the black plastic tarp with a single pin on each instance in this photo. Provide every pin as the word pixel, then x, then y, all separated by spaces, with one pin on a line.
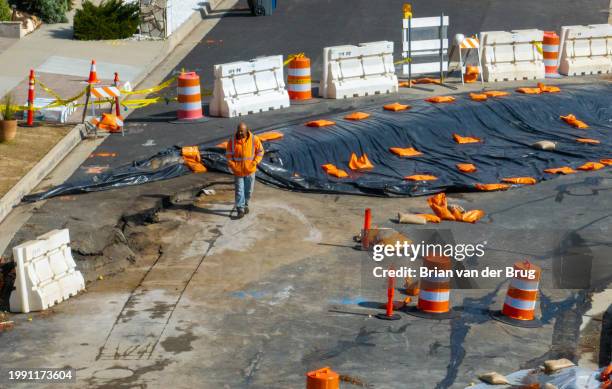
pixel 507 125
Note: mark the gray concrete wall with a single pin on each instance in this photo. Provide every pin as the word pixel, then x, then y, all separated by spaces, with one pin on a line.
pixel 11 30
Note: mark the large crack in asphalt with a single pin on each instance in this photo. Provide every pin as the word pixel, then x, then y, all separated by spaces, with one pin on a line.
pixel 475 311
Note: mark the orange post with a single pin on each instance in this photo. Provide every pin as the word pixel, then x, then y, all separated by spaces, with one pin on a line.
pixel 389 315
pixel 367 224
pixel 324 378
pixel 117 107
pixel 390 292
pixel 31 94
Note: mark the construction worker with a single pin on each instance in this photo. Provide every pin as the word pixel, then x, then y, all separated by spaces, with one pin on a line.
pixel 244 152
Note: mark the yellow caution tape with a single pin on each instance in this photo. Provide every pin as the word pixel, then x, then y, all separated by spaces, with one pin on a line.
pixel 538 46
pixel 58 99
pixel 402 61
pixel 291 57
pixel 47 89
pixel 154 89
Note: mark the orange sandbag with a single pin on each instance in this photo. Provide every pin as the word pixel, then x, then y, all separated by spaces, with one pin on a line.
pixel 496 93
pixel 588 140
pixel 357 116
pixel 192 158
pixel 360 163
pixel 427 80
pixel 466 167
pixel 404 84
pixel 437 203
pixel 529 91
pixel 440 99
pixel 457 213
pixel 520 180
pixel 466 139
pixel 421 177
pixel 573 121
pixel 606 373
pixel 332 170
pixel 478 96
pixel 560 170
pixel 591 166
pixel 109 122
pixel 607 161
pixel 548 89
pixel 405 152
pixel 429 217
pixel 491 187
pixel 471 74
pixel 320 123
pixel 472 216
pixel 395 107
pixel 271 135
pixel 439 206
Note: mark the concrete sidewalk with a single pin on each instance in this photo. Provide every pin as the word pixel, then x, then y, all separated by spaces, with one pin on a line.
pixel 63 63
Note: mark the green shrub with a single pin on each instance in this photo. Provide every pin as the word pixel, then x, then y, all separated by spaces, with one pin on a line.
pixel 50 11
pixel 112 19
pixel 5 11
pixel 7 110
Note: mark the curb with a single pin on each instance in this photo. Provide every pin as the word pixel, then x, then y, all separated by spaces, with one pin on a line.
pixel 50 161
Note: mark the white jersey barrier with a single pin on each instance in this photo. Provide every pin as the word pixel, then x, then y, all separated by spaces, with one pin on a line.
pixel 46 273
pixel 246 87
pixel 586 49
pixel 350 71
pixel 514 55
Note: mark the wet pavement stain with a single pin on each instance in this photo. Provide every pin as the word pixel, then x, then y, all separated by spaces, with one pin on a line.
pixel 363 339
pixel 566 330
pixel 475 311
pixel 160 310
pixel 179 344
pixel 127 381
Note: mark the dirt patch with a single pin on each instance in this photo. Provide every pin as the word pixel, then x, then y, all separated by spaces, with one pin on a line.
pixel 30 146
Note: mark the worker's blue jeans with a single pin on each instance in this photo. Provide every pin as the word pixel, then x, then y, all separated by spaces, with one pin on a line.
pixel 244 188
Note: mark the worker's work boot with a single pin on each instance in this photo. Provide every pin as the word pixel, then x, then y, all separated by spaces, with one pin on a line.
pixel 246 209
pixel 240 213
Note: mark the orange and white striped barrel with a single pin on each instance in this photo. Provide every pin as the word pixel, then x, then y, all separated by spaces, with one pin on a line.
pixel 434 292
pixel 550 50
pixel 189 97
pixel 298 79
pixel 522 293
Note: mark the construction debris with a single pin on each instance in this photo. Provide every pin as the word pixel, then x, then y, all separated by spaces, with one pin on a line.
pixel 410 218
pixel 572 377
pixel 553 365
pixel 494 378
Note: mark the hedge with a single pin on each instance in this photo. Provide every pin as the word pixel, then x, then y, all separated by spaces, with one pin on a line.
pixel 50 11
pixel 112 19
pixel 5 11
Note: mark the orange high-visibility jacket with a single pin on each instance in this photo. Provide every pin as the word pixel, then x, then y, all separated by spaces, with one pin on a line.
pixel 243 155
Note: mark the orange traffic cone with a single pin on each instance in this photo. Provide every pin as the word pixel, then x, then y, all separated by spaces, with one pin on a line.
pixel 93 74
pixel 521 297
